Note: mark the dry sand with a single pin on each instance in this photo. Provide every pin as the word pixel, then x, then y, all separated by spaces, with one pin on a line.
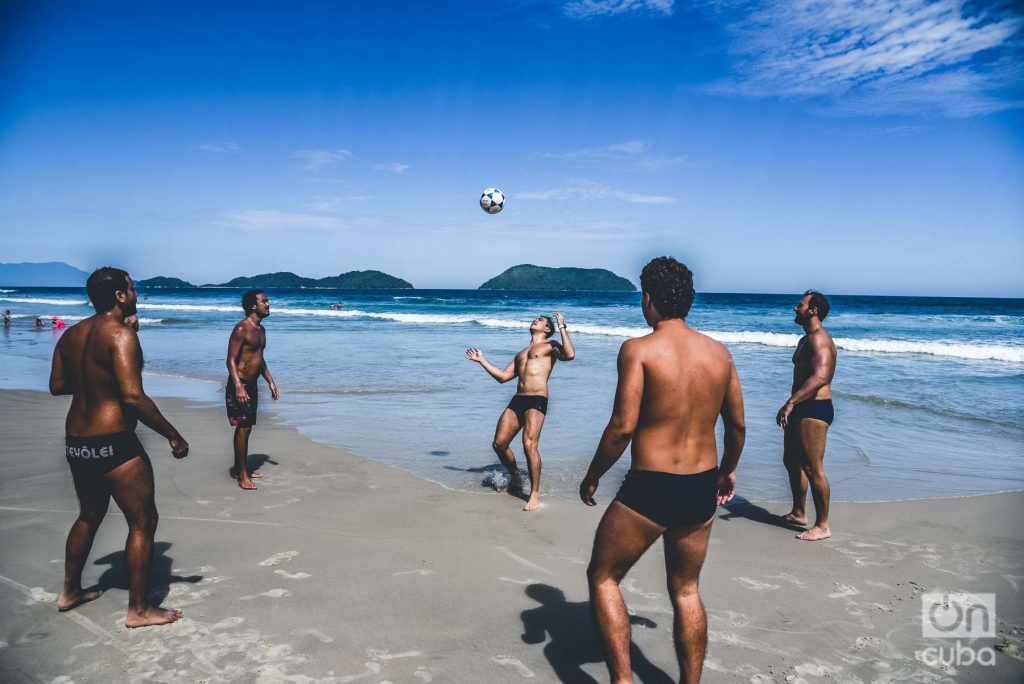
pixel 340 569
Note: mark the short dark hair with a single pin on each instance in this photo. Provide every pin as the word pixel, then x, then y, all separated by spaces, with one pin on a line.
pixel 670 286
pixel 551 324
pixel 102 286
pixel 819 302
pixel 249 298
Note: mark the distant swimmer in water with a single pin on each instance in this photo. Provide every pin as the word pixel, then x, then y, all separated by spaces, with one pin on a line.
pixel 338 306
pixel 807 415
pixel 39 323
pixel 245 366
pixel 7 318
pixel 57 322
pixel 526 411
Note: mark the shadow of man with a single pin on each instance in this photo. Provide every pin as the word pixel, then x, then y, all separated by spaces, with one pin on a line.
pixel 255 461
pixel 161 577
pixel 742 508
pixel 573 640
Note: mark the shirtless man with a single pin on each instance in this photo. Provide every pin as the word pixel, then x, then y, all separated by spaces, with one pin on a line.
pixel 526 411
pixel 99 362
pixel 806 415
pixel 245 365
pixel 673 385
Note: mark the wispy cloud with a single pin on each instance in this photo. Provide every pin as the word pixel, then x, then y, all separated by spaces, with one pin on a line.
pixel 590 9
pixel 636 152
pixel 325 204
pixel 878 56
pixel 393 167
pixel 219 147
pixel 271 220
pixel 317 160
pixel 590 191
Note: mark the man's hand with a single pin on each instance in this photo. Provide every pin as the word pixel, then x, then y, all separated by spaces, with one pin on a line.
pixel 587 490
pixel 274 394
pixel 726 487
pixel 179 447
pixel 241 395
pixel 782 417
pixel 474 354
pixel 559 319
pixel 132 322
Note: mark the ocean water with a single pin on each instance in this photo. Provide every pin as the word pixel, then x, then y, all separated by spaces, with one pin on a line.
pixel 928 391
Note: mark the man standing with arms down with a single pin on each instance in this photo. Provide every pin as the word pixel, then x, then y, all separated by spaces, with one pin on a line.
pixel 526 411
pixel 807 414
pixel 245 366
pixel 673 385
pixel 99 362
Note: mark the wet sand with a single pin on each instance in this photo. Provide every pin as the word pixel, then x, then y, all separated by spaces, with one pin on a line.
pixel 341 569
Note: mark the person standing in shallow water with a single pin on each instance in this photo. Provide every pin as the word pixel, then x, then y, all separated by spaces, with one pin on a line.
pixel 673 385
pixel 246 364
pixel 529 406
pixel 807 415
pixel 98 361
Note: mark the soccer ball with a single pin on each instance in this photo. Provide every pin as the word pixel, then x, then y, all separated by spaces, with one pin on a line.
pixel 492 201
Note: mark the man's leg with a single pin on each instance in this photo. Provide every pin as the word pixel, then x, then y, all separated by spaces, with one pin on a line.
pixel 131 484
pixel 242 457
pixel 812 435
pixel 507 428
pixel 793 459
pixel 685 549
pixel 622 537
pixel 531 439
pixel 93 500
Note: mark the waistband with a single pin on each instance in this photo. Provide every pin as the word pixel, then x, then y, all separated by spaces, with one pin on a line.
pixel 665 475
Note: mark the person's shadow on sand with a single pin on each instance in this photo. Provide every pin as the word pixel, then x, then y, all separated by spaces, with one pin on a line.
pixel 741 508
pixel 161 576
pixel 573 639
pixel 255 462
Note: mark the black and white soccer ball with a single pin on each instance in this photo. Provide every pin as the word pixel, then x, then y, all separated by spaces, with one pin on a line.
pixel 492 200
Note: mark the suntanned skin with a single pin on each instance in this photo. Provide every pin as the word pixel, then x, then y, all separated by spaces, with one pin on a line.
pixel 99 362
pixel 245 361
pixel 673 385
pixel 814 365
pixel 533 366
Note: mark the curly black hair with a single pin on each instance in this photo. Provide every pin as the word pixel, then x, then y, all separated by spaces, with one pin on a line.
pixel 670 285
pixel 818 301
pixel 103 286
pixel 249 299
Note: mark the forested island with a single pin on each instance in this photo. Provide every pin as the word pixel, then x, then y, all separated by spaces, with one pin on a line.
pixel 530 277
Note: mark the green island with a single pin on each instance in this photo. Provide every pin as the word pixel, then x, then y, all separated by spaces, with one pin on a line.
pixel 163 282
pixel 530 277
pixel 353 280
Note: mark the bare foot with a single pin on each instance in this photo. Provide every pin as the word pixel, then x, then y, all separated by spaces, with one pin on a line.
pixel 246 483
pixel 533 504
pixel 815 533
pixel 152 616
pixel 795 519
pixel 69 601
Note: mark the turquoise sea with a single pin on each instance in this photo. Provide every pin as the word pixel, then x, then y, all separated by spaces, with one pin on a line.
pixel 928 391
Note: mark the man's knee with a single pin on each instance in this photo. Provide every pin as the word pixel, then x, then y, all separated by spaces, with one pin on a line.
pixel 91 517
pixel 499 447
pixel 599 574
pixel 243 430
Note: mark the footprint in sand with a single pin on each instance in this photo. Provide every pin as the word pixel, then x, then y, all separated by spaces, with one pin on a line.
pixel 523 671
pixel 315 633
pixel 279 558
pixel 41 595
pixel 273 593
pixel 757 585
pixel 844 591
pixel 290 575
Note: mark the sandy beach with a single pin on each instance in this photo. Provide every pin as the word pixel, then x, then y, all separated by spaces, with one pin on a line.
pixel 341 569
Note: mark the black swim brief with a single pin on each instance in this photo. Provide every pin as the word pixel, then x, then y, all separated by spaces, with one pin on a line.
pixel 239 414
pixel 819 409
pixel 670 499
pixel 521 403
pixel 99 455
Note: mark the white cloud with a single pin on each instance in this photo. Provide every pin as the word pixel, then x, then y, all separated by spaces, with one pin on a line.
pixel 393 167
pixel 316 160
pixel 876 56
pixel 590 9
pixel 637 152
pixel 589 191
pixel 325 204
pixel 270 220
pixel 220 147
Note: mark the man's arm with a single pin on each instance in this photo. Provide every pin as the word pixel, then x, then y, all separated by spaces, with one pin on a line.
pixel 274 394
pixel 821 359
pixel 625 415
pixel 474 354
pixel 127 358
pixel 565 351
pixel 235 343
pixel 58 382
pixel 735 436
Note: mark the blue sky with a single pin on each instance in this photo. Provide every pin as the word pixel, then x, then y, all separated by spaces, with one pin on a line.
pixel 855 147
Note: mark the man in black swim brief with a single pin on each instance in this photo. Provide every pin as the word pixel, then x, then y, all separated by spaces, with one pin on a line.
pixel 99 455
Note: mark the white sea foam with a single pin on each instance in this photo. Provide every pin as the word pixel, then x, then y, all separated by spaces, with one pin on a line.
pixel 41 300
pixel 7 291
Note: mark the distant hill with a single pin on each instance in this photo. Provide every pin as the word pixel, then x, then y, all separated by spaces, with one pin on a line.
pixel 530 277
pixel 351 280
pixel 163 282
pixel 48 274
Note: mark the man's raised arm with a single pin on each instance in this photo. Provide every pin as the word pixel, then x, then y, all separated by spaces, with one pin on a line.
pixel 474 354
pixel 566 352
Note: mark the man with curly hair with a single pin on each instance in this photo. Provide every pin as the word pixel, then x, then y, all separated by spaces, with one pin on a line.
pixel 673 384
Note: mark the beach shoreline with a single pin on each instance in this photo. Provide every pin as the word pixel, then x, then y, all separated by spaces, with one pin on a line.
pixel 341 569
